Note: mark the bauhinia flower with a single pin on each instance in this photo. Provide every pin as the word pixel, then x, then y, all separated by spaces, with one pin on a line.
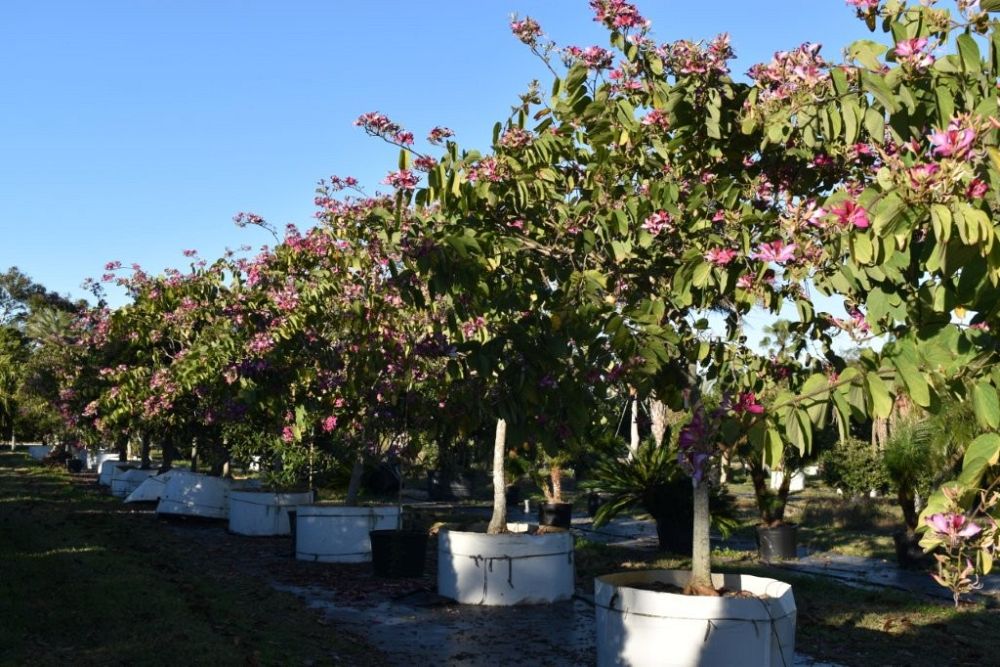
pixel 851 213
pixel 954 142
pixel 657 222
pixel 912 52
pixel 775 251
pixel 721 256
pixel 747 402
pixel 953 526
pixel 401 180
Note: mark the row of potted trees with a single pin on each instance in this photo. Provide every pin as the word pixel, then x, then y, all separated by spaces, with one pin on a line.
pixel 613 239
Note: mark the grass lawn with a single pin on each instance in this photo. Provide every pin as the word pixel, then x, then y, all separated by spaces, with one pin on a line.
pixel 84 581
pixel 847 625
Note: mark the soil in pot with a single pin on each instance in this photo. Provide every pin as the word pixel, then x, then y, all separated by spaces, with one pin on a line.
pixel 398 553
pixel 559 515
pixel 778 542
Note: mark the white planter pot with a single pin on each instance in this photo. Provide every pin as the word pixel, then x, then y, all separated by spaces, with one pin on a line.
pixel 643 628
pixel 262 513
pixel 797 483
pixel 107 467
pixel 338 534
pixel 126 480
pixel 39 452
pixel 505 570
pixel 193 494
pixel 150 489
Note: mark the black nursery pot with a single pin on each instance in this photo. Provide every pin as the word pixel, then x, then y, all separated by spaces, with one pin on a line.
pixel 74 465
pixel 777 543
pixel 559 515
pixel 909 554
pixel 398 553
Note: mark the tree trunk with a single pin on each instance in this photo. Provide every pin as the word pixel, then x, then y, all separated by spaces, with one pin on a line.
pixel 633 443
pixel 658 414
pixel 355 484
pixel 701 548
pixel 498 522
pixel 724 462
pixel 555 474
pixel 908 503
pixel 194 455
pixel 144 452
pixel 760 490
pixel 122 447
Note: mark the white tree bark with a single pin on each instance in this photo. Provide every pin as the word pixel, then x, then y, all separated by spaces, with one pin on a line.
pixel 498 523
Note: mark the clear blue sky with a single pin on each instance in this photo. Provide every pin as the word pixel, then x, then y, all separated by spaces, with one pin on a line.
pixel 134 129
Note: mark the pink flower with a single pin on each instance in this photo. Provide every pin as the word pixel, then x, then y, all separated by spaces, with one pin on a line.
pixel 953 526
pixel 329 423
pixel 745 281
pixel 747 402
pixel 657 222
pixel 527 30
pixel 851 213
pixel 401 180
pixel 863 5
pixel 953 142
pixel 775 251
pixel 190 253
pixel 911 51
pixel 376 123
pixel 720 256
pixel 404 137
pixel 617 14
pixel 439 134
pixel 977 189
pixel 594 57
pixel 112 266
pixel 287 434
pixel 424 163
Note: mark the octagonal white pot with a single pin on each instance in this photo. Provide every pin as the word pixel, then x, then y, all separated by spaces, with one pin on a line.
pixel 504 570
pixel 264 513
pixel 107 468
pixel 125 480
pixel 797 483
pixel 194 494
pixel 339 534
pixel 150 489
pixel 643 628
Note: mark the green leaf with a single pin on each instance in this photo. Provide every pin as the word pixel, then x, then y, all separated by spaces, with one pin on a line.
pixel 945 104
pixel 986 405
pixel 916 384
pixel 881 401
pixel 989 5
pixel 985 448
pixel 875 124
pixel 969 50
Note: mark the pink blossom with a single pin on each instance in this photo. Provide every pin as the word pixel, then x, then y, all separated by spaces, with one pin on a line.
pixel 953 526
pixel 745 281
pixel 487 169
pixel 377 124
pixel 851 213
pixel 657 222
pixel 439 134
pixel 775 251
pixel 618 14
pixel 329 423
pixel 863 5
pixel 287 434
pixel 527 30
pixel 424 163
pixel 911 51
pixel 112 266
pixel 190 253
pixel 953 142
pixel 401 180
pixel 594 57
pixel 721 256
pixel 405 137
pixel 977 189
pixel 747 402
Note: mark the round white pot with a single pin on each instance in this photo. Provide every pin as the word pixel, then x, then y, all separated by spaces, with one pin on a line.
pixel 338 534
pixel 797 483
pixel 504 570
pixel 151 488
pixel 125 480
pixel 643 628
pixel 39 452
pixel 263 513
pixel 193 494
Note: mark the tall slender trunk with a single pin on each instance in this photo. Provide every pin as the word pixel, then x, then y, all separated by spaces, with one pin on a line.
pixel 658 415
pixel 633 443
pixel 194 455
pixel 355 484
pixel 908 503
pixel 122 447
pixel 498 522
pixel 555 474
pixel 144 452
pixel 701 549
